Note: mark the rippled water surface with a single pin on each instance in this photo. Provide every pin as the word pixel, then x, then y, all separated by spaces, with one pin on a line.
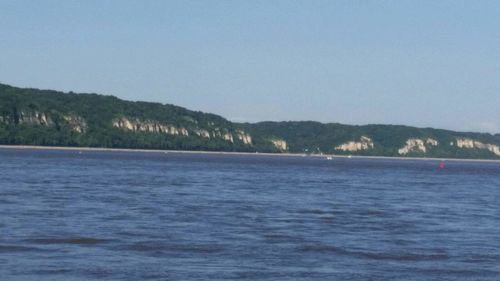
pixel 66 215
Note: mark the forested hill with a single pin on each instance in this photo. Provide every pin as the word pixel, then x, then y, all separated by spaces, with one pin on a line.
pixel 51 118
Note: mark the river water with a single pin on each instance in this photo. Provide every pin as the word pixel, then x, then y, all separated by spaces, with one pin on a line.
pixel 69 215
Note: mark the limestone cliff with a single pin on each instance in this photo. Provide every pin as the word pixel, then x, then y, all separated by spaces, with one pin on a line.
pixel 202 133
pixel 471 144
pixel 36 118
pixel 417 145
pixel 151 126
pixel 228 137
pixel 280 144
pixel 363 143
pixel 76 123
pixel 244 137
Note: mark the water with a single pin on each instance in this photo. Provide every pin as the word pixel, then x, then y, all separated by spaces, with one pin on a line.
pixel 156 216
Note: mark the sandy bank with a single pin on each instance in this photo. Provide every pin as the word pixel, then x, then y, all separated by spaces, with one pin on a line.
pixel 333 156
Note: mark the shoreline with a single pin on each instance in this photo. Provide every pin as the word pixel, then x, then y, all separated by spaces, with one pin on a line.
pixel 103 149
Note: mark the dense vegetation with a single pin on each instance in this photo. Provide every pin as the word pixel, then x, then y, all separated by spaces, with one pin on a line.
pixel 315 137
pixel 51 118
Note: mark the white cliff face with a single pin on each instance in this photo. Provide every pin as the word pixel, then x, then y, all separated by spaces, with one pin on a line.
pixel 469 143
pixel 228 137
pixel 203 133
pixel 413 145
pixel 281 145
pixel 432 142
pixel 151 126
pixel 135 125
pixel 364 143
pixel 184 132
pixel 224 134
pixel 171 130
pixel 244 137
pixel 76 123
pixel 123 123
pixel 35 118
pixel 417 145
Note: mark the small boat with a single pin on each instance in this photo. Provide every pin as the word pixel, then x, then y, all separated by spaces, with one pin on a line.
pixel 329 158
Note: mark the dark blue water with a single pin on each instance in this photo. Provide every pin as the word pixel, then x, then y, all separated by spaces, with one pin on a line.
pixel 146 216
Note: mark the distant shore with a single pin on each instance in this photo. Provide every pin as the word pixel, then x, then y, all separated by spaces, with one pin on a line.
pixel 333 156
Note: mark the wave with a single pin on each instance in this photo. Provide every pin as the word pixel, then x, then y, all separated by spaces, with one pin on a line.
pixel 373 255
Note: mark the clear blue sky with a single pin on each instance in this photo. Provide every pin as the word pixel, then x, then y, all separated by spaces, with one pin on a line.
pixel 422 63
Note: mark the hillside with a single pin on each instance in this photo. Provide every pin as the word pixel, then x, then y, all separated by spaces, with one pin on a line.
pixel 51 118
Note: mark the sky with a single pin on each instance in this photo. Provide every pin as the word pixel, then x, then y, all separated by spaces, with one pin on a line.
pixel 421 63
